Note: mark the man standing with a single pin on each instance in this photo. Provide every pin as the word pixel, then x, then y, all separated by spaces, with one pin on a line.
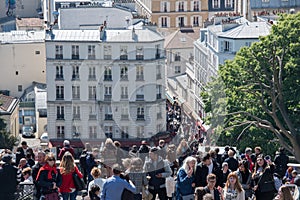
pixel 281 160
pixel 10 177
pixel 233 164
pixel 35 169
pixel 66 148
pixel 210 188
pixel 114 185
pixel 21 152
pixel 158 170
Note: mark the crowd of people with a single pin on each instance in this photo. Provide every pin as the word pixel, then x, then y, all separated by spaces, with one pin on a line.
pixel 165 172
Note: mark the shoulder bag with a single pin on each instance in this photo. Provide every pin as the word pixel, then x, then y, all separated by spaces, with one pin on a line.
pixel 78 182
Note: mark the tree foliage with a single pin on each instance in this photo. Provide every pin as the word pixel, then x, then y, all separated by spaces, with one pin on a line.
pixel 261 88
pixel 7 141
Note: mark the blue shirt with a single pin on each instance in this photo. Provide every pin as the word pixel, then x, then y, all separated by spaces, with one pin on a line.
pixel 113 188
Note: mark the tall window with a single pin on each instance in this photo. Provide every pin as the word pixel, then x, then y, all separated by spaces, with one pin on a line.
pixel 59 52
pixel 164 22
pixel 227 46
pixel 165 6
pixel 139 73
pixel 124 72
pixel 60 132
pixel 75 52
pixel 177 56
pixel 196 5
pixel 107 93
pixel 60 112
pixel 139 53
pixel 92 113
pixel 228 3
pixel 60 92
pixel 140 113
pixel 92 73
pixel 195 21
pixel 76 112
pixel 75 72
pixel 216 3
pixel 124 132
pixel 108 113
pixel 93 132
pixel 91 52
pixel 107 74
pixel 107 52
pixel 124 113
pixel 59 72
pixel 140 131
pixel 140 94
pixel 123 53
pixel 157 51
pixel 177 69
pixel 181 21
pixel 75 92
pixel 124 92
pixel 180 6
pixel 108 130
pixel 76 131
pixel 92 92
pixel 158 91
pixel 158 72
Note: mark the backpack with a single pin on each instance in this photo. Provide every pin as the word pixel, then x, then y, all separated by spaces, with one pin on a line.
pixel 82 161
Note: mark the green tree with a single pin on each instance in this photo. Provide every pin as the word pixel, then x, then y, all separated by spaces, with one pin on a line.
pixel 7 141
pixel 261 88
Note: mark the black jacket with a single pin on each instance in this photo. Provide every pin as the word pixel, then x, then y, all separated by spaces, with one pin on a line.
pixel 202 172
pixel 10 177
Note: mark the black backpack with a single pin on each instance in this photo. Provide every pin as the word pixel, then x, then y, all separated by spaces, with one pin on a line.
pixel 82 161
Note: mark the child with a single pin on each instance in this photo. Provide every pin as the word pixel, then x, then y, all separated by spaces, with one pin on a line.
pixel 94 192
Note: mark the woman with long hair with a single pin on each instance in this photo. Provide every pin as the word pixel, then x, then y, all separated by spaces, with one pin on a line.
pixel 233 189
pixel 67 167
pixel 183 151
pixel 244 176
pixel 109 156
pixel 284 193
pixel 263 180
pixel 185 179
pixel 49 178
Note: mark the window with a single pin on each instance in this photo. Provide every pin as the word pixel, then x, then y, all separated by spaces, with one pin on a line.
pixel 60 132
pixel 158 91
pixel 107 52
pixel 75 72
pixel 17 73
pixel 181 6
pixel 124 113
pixel 20 88
pixel 177 69
pixel 139 53
pixel 124 72
pixel 92 73
pixel 140 113
pixel 59 92
pixel 157 51
pixel 196 5
pixel 140 131
pixel 124 133
pixel 91 52
pixel 140 94
pixel 93 132
pixel 216 3
pixel 226 45
pixel 177 56
pixel 75 92
pixel 108 113
pixel 37 52
pixel 92 92
pixel 266 1
pixel 107 74
pixel 158 72
pixel 76 112
pixel 139 73
pixel 159 127
pixel 75 131
pixel 164 22
pixel 60 112
pixel 59 52
pixel 228 3
pixel 75 52
pixel 108 130
pixel 124 92
pixel 181 21
pixel 195 21
pixel 123 53
pixel 159 113
pixel 59 72
pixel 165 7
pixel 92 113
pixel 107 93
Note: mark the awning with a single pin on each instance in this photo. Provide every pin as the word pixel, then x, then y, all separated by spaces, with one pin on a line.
pixel 187 109
pixel 170 97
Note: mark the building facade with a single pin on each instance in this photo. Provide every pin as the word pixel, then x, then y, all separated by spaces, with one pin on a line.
pixel 107 83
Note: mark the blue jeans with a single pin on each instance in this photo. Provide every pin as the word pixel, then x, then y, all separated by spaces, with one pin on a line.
pixel 72 195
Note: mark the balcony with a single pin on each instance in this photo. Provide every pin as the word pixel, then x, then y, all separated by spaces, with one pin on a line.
pixel 107 57
pixel 177 58
pixel 139 57
pixel 75 77
pixel 91 57
pixel 27 104
pixel 59 77
pixel 124 96
pixel 158 96
pixel 76 117
pixel 75 57
pixel 59 56
pixel 92 97
pixel 139 77
pixel 92 117
pixel 124 117
pixel 60 97
pixel 139 97
pixel 76 97
pixel 108 117
pixel 124 77
pixel 140 117
pixel 107 77
pixel 107 97
pixel 60 117
pixel 123 57
pixel 157 55
pixel 92 77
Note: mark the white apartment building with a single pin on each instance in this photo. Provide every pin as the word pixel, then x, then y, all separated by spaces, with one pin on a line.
pixel 107 83
pixel 22 55
pixel 220 42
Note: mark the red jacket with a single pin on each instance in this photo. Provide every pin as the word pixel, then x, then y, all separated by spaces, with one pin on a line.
pixel 67 181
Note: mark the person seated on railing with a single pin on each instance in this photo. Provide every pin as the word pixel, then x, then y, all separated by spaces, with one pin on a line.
pixel 28 180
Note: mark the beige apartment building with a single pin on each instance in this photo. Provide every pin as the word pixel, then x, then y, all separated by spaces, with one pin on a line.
pixel 174 14
pixel 23 60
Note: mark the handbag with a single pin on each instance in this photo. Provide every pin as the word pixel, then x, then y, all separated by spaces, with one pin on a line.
pixel 127 195
pixel 78 182
pixel 268 186
pixel 51 196
pixel 146 195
